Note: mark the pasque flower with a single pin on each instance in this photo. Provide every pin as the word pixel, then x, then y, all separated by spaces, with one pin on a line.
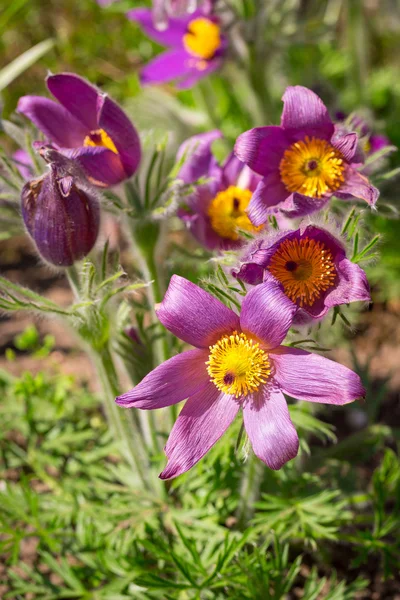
pixel 217 210
pixel 310 264
pixel 61 214
pixel 238 364
pixel 87 126
pixel 304 161
pixel 197 46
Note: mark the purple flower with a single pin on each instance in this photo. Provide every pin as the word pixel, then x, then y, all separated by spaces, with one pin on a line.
pixel 237 364
pixel 216 211
pixel 196 47
pixel 310 264
pixel 61 214
pixel 304 161
pixel 87 126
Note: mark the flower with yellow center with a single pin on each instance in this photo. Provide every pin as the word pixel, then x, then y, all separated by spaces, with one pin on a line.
pixel 305 268
pixel 227 213
pixel 312 167
pixel 203 38
pixel 99 137
pixel 237 365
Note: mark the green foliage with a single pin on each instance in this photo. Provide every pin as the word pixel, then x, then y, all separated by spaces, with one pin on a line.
pixel 74 524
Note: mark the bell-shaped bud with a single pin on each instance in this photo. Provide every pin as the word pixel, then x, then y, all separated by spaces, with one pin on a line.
pixel 62 215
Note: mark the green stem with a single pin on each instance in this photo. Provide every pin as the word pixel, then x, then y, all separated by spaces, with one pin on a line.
pixel 146 243
pixel 127 433
pixel 249 489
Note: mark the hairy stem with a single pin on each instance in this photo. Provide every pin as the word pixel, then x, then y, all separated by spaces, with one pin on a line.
pixel 250 487
pixel 126 432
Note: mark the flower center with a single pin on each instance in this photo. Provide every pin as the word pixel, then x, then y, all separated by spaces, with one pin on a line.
pixel 202 38
pixel 312 167
pixel 305 268
pixel 99 137
pixel 237 365
pixel 227 213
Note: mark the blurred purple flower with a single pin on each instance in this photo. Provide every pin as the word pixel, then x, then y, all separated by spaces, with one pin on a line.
pixel 311 265
pixel 196 44
pixel 61 214
pixel 217 209
pixel 238 363
pixel 86 126
pixel 304 161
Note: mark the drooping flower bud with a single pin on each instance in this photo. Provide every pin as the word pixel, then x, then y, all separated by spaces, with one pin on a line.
pixel 61 216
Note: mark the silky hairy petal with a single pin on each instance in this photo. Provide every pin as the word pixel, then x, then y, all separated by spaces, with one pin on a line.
pixel 193 315
pixel 314 378
pixel 269 427
pixel 267 313
pixel 173 381
pixel 203 420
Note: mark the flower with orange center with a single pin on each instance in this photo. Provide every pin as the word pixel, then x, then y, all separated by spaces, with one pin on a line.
pixel 303 161
pixel 305 268
pixel 227 213
pixel 203 38
pixel 310 265
pixel 312 167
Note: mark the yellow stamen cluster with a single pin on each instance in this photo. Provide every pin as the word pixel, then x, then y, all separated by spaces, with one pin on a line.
pixel 312 167
pixel 227 213
pixel 237 365
pixel 305 268
pixel 203 38
pixel 99 137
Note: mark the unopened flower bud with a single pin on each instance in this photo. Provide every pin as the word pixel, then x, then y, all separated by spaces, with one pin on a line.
pixel 61 216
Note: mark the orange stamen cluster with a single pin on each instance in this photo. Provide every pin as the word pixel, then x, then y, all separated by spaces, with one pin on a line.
pixel 312 167
pixel 305 268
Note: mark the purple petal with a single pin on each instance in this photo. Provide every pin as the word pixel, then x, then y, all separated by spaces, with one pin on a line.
pixel 171 36
pixel 166 67
pixel 198 72
pixel 114 121
pixel 357 186
pixel 269 193
pixel 57 124
pixel 267 313
pixel 262 148
pixel 346 143
pixel 174 380
pixel 270 429
pixel 77 95
pixel 314 378
pixel 231 170
pixel 203 420
pixel 199 159
pixel 193 315
pixel 305 113
pixel 352 285
pixel 298 205
pixel 102 166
